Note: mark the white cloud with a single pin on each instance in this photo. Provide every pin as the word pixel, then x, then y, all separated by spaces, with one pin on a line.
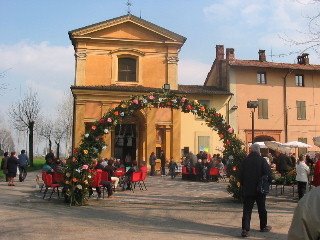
pixel 47 69
pixel 193 72
pixel 221 10
pixel 262 24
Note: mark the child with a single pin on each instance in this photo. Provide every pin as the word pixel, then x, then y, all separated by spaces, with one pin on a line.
pixel 172 168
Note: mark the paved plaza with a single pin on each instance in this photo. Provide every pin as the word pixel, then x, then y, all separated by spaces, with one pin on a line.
pixel 169 209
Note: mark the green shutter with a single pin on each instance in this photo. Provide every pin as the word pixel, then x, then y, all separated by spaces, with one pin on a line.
pixel 260 107
pixel 303 110
pixel 265 108
pixel 298 110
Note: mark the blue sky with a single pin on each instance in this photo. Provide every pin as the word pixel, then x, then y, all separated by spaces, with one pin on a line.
pixel 36 52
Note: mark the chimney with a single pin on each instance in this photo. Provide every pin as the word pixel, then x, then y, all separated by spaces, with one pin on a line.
pixel 303 59
pixel 219 52
pixel 230 54
pixel 262 55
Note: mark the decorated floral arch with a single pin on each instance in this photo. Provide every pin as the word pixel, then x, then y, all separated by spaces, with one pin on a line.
pixel 77 175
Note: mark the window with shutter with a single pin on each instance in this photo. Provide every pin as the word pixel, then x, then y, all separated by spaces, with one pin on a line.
pixel 301 110
pixel 299 80
pixel 261 78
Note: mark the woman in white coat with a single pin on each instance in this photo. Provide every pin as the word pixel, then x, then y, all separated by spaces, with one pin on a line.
pixel 302 175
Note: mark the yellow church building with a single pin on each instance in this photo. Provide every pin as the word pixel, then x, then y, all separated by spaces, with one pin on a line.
pixel 127 56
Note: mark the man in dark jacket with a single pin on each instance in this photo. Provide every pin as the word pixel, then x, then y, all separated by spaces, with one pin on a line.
pixel 23 161
pixel 163 163
pixel 252 169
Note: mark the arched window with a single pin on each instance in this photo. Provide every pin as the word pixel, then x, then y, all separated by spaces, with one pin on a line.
pixel 127 70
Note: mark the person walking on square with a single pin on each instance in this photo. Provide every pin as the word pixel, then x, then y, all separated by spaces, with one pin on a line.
pixel 302 176
pixel 23 161
pixel 4 166
pixel 152 162
pixel 12 165
pixel 163 163
pixel 253 167
pixel 172 168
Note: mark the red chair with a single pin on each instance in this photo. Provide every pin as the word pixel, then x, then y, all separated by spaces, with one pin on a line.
pixel 144 169
pixel 120 172
pixel 57 177
pixel 48 183
pixel 135 178
pixel 96 178
pixel 143 178
pixel 214 173
pixel 43 179
pixel 104 177
pixel 184 172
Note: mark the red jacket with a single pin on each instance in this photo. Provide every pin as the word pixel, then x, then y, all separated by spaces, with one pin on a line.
pixel 316 177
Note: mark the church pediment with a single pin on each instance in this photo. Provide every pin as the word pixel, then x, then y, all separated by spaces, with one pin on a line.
pixel 127 27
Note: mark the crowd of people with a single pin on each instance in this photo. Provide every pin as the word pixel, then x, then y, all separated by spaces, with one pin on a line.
pixel 203 162
pixel 110 166
pixel 13 165
pixel 305 168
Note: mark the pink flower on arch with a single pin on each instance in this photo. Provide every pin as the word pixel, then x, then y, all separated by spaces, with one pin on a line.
pixel 135 101
pixel 85 167
pixel 230 130
pixel 183 99
pixel 109 120
pixel 151 97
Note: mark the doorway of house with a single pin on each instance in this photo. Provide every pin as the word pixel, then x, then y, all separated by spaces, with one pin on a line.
pixel 125 142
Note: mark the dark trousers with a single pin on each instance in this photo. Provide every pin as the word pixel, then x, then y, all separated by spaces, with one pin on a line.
pixel 23 173
pixel 163 170
pixel 152 170
pixel 302 186
pixel 248 203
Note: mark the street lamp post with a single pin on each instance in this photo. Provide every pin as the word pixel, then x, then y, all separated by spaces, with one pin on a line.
pixel 252 105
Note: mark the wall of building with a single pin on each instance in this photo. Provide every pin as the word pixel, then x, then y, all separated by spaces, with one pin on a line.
pixel 192 127
pixel 245 87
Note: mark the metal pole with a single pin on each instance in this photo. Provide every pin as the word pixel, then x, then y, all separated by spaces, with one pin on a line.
pixel 252 118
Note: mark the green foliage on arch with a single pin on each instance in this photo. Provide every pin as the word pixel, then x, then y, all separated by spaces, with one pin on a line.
pixel 78 176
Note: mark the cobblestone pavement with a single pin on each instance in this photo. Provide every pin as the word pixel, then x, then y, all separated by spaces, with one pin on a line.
pixel 169 209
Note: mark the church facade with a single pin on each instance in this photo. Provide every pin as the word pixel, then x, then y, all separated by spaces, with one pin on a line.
pixel 127 56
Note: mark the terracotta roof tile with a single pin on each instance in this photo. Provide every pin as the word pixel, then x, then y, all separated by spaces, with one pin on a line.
pixel 256 63
pixel 182 89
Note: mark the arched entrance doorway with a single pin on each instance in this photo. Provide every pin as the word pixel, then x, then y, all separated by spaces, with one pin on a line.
pixel 128 139
pixel 263 138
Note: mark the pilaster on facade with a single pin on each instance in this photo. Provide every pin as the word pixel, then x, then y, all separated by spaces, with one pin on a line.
pixel 80 71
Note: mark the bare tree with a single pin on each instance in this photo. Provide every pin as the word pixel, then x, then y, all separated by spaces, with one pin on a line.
pixel 65 115
pixel 45 130
pixel 24 114
pixel 59 132
pixel 6 140
pixel 310 37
